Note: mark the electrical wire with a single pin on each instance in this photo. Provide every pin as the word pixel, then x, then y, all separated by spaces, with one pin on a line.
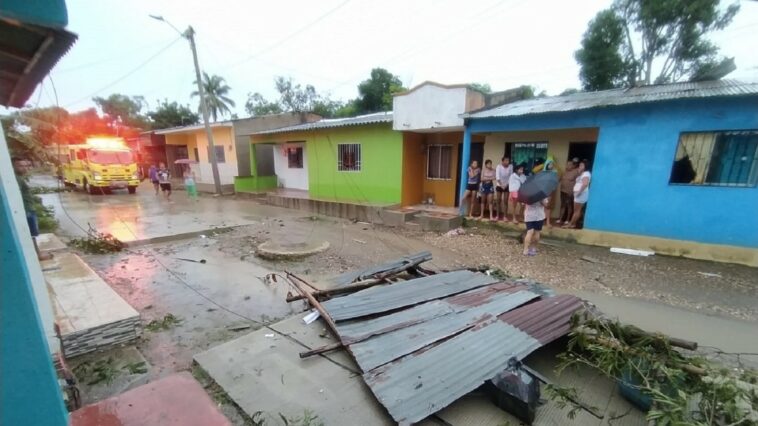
pixel 128 74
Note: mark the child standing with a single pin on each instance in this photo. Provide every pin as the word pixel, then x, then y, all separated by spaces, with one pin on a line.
pixel 534 216
pixel 164 179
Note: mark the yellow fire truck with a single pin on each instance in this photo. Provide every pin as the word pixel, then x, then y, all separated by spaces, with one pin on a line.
pixel 101 164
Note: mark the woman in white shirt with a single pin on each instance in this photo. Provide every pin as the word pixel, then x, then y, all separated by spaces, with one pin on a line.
pixel 514 184
pixel 581 192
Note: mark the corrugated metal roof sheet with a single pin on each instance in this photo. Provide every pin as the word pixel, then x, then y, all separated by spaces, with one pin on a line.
pixel 387 347
pixel 387 267
pixel 193 127
pixel 328 123
pixel 382 299
pixel 615 97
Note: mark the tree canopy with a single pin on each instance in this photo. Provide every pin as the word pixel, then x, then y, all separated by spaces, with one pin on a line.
pixel 172 114
pixel 375 94
pixel 123 110
pixel 216 91
pixel 653 41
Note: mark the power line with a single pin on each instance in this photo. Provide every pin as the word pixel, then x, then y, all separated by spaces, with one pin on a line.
pixel 128 74
pixel 290 36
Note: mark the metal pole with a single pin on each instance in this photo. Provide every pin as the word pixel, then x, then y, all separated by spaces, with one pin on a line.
pixel 190 34
pixel 465 160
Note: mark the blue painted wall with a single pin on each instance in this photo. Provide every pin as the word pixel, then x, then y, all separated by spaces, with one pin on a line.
pixel 29 390
pixel 630 191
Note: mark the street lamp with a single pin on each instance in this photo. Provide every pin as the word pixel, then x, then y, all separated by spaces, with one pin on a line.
pixel 189 34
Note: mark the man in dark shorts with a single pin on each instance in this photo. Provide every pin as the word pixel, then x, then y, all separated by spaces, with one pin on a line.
pixel 153 175
pixel 164 180
pixel 534 216
pixel 21 167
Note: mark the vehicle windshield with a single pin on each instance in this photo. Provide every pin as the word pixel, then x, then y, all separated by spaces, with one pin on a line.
pixel 110 157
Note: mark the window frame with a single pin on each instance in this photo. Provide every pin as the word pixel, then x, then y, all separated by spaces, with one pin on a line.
pixel 752 170
pixel 428 157
pixel 219 159
pixel 358 164
pixel 300 157
pixel 536 145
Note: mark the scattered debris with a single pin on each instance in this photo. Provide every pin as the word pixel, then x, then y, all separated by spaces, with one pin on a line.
pixel 709 274
pixel 456 231
pixel 359 241
pixel 190 260
pixel 136 367
pixel 632 252
pixel 269 335
pixel 593 260
pixel 408 336
pixel 106 371
pixel 98 243
pixel 238 327
pixel 167 322
pixel 384 270
pixel 312 316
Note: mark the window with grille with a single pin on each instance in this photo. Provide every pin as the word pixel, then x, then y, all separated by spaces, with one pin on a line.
pixel 438 161
pixel 528 154
pixel 295 157
pixel 349 157
pixel 220 154
pixel 716 158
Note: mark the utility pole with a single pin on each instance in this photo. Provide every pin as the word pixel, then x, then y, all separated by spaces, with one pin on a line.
pixel 189 34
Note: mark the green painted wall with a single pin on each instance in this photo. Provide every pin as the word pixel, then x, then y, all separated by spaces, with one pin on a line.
pixel 380 178
pixel 254 183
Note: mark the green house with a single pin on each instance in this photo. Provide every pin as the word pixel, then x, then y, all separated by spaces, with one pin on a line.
pixel 357 159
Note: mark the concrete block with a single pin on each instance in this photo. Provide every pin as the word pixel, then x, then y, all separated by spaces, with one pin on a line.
pixel 396 218
pixel 439 222
pixel 413 226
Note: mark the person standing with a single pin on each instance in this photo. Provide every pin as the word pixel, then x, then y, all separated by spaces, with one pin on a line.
pixel 534 217
pixel 152 173
pixel 164 180
pixel 581 192
pixel 472 186
pixel 503 173
pixel 189 184
pixel 567 190
pixel 487 190
pixel 21 168
pixel 514 184
pixel 549 168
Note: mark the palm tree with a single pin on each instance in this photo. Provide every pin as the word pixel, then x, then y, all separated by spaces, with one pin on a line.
pixel 215 89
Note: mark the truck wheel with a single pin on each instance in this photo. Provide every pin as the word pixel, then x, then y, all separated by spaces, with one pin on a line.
pixel 132 189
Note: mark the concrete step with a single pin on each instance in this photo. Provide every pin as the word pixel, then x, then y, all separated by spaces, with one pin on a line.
pixel 398 217
pixel 439 222
pixel 413 226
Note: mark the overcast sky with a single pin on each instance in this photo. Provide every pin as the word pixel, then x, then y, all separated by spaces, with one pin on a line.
pixel 333 44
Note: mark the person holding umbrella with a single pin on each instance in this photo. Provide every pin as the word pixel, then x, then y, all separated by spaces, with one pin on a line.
pixel 535 193
pixel 534 217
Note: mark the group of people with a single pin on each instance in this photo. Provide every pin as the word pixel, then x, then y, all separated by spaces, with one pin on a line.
pixel 497 190
pixel 160 177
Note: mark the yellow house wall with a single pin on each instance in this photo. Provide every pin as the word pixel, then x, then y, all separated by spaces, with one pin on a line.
pixel 222 136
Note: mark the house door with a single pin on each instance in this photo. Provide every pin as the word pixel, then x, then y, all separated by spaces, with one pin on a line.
pixel 582 150
pixel 477 153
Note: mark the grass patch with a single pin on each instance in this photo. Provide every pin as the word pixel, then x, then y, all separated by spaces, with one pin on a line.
pixel 168 322
pixel 44 190
pixel 106 371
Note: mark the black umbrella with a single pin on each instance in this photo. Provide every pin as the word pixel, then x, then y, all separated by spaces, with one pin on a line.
pixel 538 187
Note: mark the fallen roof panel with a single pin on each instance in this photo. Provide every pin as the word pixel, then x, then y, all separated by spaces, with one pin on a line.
pixel 389 267
pixel 376 300
pixel 387 347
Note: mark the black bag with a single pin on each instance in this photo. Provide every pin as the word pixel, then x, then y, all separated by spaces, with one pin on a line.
pixel 516 391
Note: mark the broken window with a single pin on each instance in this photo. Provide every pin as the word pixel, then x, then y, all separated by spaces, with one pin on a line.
pixel 349 157
pixel 716 158
pixel 438 162
pixel 295 157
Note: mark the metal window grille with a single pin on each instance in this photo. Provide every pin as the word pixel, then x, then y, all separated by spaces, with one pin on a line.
pixel 439 158
pixel 529 154
pixel 295 157
pixel 349 157
pixel 220 154
pixel 727 158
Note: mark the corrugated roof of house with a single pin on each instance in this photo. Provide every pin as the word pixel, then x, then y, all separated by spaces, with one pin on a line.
pixel 193 127
pixel 328 123
pixel 615 97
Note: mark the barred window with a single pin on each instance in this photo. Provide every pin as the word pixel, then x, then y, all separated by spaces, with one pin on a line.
pixel 295 158
pixel 438 162
pixel 349 157
pixel 220 153
pixel 716 158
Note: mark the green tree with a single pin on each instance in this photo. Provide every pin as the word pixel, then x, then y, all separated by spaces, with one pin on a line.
pixel 121 110
pixel 653 41
pixel 257 105
pixel 293 97
pixel 482 87
pixel 375 94
pixel 171 114
pixel 216 91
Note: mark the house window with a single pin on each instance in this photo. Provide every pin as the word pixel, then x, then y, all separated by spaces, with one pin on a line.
pixel 220 154
pixel 349 157
pixel 197 154
pixel 716 158
pixel 438 161
pixel 528 154
pixel 295 158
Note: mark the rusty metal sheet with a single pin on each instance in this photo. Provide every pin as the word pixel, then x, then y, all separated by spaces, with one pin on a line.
pixel 387 347
pixel 377 300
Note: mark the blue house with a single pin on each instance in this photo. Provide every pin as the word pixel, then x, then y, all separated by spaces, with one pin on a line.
pixel 674 167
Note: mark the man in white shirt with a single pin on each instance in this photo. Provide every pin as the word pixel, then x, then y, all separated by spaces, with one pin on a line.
pixel 502 175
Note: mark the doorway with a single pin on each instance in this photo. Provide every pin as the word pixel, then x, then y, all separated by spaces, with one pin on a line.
pixel 477 153
pixel 582 150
